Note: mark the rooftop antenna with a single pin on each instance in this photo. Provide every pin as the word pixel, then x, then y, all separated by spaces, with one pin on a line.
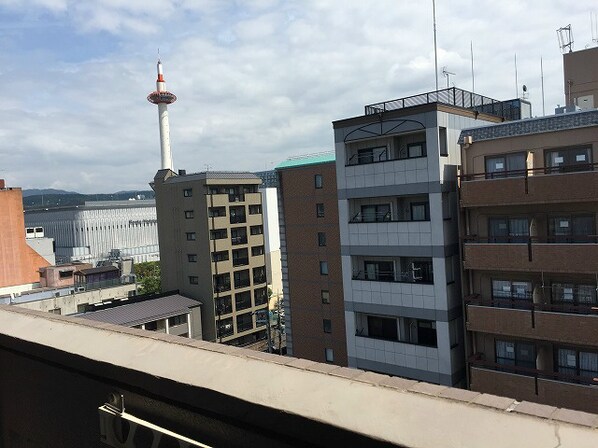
pixel 448 74
pixel 435 46
pixel 565 36
pixel 472 72
pixel 542 79
pixel 516 78
pixel 594 26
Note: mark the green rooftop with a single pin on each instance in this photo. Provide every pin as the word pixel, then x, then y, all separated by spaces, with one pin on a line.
pixel 307 159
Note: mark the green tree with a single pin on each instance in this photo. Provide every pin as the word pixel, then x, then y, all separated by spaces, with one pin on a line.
pixel 148 277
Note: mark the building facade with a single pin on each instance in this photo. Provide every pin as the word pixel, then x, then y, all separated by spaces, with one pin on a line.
pixel 211 233
pixel 310 247
pixel 19 263
pixel 529 198
pixel 396 173
pixel 581 82
pixel 101 230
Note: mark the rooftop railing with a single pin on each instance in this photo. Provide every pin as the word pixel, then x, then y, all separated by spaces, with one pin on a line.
pixel 454 97
pixel 530 172
pixel 524 302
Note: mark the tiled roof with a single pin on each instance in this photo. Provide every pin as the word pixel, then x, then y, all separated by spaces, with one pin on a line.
pixel 140 312
pixel 99 270
pixel 552 123
pixel 213 175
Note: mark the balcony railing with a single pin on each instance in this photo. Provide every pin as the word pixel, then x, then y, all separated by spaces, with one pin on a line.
pixel 529 172
pixel 237 197
pixel 236 240
pixel 240 261
pixel 222 288
pixel 477 361
pixel 390 276
pixel 528 304
pixel 380 217
pixel 531 240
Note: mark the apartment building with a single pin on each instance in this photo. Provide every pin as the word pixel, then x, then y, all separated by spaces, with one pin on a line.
pixel 396 171
pixel 529 199
pixel 310 246
pixel 210 229
pixel 581 83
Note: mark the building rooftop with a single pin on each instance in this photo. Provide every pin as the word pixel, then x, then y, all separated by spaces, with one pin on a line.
pixel 98 270
pixel 94 205
pixel 143 311
pixel 540 125
pixel 307 159
pixel 245 175
pixel 230 396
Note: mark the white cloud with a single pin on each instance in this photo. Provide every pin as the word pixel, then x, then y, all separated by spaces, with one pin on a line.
pixel 256 81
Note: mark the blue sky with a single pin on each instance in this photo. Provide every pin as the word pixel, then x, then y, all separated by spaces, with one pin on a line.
pixel 257 81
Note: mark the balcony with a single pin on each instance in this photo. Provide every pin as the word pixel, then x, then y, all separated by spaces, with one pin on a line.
pixel 531 186
pixel 534 385
pixel 567 324
pixel 192 388
pixel 531 255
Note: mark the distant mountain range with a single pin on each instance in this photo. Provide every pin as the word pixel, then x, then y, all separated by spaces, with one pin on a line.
pixel 51 198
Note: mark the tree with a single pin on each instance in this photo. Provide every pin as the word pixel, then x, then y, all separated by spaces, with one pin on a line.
pixel 148 277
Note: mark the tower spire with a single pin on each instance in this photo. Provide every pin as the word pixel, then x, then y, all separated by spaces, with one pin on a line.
pixel 163 98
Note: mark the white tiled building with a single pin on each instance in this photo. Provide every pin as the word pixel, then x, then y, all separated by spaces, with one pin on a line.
pixel 396 173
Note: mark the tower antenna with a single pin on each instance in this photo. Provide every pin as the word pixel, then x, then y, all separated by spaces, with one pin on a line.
pixel 448 74
pixel 435 46
pixel 163 98
pixel 472 70
pixel 565 36
pixel 516 79
pixel 542 79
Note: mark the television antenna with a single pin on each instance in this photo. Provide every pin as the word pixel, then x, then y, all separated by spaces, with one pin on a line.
pixel 565 36
pixel 448 74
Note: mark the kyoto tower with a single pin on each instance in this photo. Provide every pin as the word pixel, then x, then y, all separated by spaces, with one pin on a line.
pixel 163 98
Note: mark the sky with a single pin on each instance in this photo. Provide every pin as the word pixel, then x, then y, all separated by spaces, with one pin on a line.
pixel 257 81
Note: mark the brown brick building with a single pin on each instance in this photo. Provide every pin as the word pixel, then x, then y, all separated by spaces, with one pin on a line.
pixel 311 259
pixel 529 201
pixel 19 263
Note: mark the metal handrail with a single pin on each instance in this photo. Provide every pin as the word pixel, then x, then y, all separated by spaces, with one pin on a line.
pixel 529 172
pixel 525 239
pixel 390 276
pixel 527 304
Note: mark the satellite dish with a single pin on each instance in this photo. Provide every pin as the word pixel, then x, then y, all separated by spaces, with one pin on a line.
pixel 524 88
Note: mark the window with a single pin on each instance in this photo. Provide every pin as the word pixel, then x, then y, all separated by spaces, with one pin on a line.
pixel 520 354
pixel 383 328
pixel 260 296
pixel 416 150
pixel 240 257
pixel 55 311
pixel 151 326
pixel 574 294
pixel 325 294
pixel 320 210
pixel 374 213
pixel 193 279
pixel 192 258
pixel 318 181
pixel 508 230
pixel 222 282
pixel 327 323
pixel 417 270
pixel 238 235
pixel 190 236
pixel 505 291
pixel 321 239
pixel 257 250
pixel 577 362
pixel 255 209
pixel 568 159
pixel 243 300
pixel 224 305
pixel 244 322
pixel 215 212
pixel 220 256
pixel 420 211
pixel 188 214
pixel 506 165
pixel 455 330
pixel 259 275
pixel 329 354
pixel 65 274
pixel 218 234
pixel 369 155
pixel 188 192
pixel 237 215
pixel 177 320
pixel 381 271
pixel 256 230
pixel 323 267
pixel 572 229
pixel 242 278
pixel 225 327
pixel 443 142
pixel 426 333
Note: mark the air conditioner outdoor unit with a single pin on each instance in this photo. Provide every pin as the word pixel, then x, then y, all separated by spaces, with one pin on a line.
pixel 80 288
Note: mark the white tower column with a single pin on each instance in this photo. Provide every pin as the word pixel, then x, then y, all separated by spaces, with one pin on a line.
pixel 162 98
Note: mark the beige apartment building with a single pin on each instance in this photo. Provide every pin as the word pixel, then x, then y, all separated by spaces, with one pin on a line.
pixel 529 203
pixel 211 235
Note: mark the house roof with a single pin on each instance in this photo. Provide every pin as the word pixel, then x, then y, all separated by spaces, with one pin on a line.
pixel 308 159
pixel 131 314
